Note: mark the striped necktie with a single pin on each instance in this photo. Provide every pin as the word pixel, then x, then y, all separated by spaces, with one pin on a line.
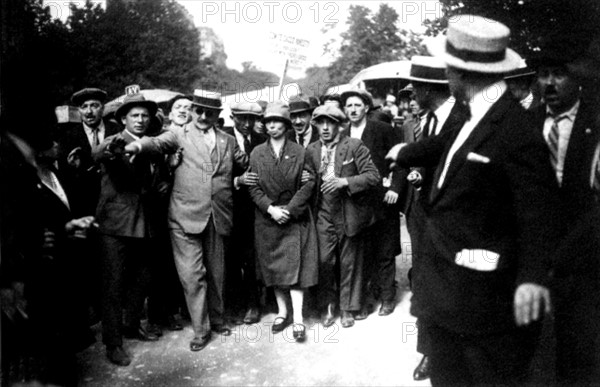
pixel 95 137
pixel 553 140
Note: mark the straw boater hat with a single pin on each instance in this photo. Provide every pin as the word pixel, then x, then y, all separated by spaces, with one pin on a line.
pixel 246 108
pixel 133 100
pixel 360 93
pixel 278 111
pixel 90 93
pixel 428 69
pixel 476 44
pixel 207 99
pixel 329 111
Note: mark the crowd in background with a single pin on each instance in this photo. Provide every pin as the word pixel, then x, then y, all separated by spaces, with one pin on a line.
pixel 164 215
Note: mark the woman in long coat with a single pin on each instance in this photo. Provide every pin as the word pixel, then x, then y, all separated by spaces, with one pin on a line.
pixel 285 235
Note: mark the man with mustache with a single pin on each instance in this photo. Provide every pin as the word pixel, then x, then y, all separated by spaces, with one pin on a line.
pixel 568 120
pixel 301 112
pixel 200 209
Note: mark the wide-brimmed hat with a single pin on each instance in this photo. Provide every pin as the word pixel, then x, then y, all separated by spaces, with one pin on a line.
pixel 134 100
pixel 89 93
pixel 428 69
pixel 475 44
pixel 329 111
pixel 246 108
pixel 278 111
pixel 557 50
pixel 207 99
pixel 360 93
pixel 299 104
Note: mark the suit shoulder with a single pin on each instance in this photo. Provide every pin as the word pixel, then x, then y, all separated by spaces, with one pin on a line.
pixel 227 130
pixel 227 136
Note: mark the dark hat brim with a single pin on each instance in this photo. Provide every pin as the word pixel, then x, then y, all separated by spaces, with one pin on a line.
pixel 352 93
pixel 127 106
pixel 78 98
pixel 277 118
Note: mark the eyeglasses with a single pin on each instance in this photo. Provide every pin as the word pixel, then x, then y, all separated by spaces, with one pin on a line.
pixel 207 112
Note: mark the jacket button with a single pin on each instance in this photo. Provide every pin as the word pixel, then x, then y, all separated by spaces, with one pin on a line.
pixel 588 131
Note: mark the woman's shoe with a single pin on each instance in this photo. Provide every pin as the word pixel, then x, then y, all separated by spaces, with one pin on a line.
pixel 280 323
pixel 299 332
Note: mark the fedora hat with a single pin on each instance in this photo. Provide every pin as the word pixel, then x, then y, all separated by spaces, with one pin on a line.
pixel 360 93
pixel 299 104
pixel 428 69
pixel 278 111
pixel 246 108
pixel 133 100
pixel 329 111
pixel 89 93
pixel 207 99
pixel 558 49
pixel 475 44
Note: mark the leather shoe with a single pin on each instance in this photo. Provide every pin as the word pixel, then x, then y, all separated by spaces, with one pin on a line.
pixel 140 334
pixel 362 314
pixel 198 343
pixel 118 356
pixel 280 323
pixel 387 308
pixel 299 332
pixel 252 316
pixel 328 317
pixel 423 369
pixel 221 329
pixel 174 324
pixel 347 319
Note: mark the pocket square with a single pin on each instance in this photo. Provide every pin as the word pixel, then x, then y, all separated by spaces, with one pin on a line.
pixel 472 156
pixel 348 161
pixel 477 259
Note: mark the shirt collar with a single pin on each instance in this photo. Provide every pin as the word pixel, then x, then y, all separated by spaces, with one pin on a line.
pixel 569 114
pixel 89 129
pixel 332 144
pixel 443 111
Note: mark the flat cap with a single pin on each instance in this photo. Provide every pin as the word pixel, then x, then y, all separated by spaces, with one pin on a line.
pixel 246 108
pixel 330 111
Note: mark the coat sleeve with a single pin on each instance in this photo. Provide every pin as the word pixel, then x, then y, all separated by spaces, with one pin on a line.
pixel 301 200
pixel 368 175
pixel 257 195
pixel 424 153
pixel 165 143
pixel 240 160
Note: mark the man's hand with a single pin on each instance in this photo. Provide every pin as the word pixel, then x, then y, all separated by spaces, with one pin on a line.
pixel 13 302
pixel 248 178
pixel 334 184
pixel 280 215
pixel 305 177
pixel 132 149
pixel 390 197
pixel 78 228
pixel 530 298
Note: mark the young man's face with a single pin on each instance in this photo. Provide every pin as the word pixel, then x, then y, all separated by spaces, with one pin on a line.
pixel 328 128
pixel 181 112
pixel 355 109
pixel 137 120
pixel 91 112
pixel 244 122
pixel 275 129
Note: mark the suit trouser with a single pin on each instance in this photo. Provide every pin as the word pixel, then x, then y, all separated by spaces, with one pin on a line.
pixel 350 251
pixel 384 244
pixel 200 262
pixel 492 359
pixel 125 280
pixel 242 286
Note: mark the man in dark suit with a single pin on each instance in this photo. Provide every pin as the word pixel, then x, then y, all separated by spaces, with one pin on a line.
pixel 127 228
pixel 568 120
pixel 384 235
pixel 301 113
pixel 200 209
pixel 344 210
pixel 242 286
pixel 428 77
pixel 490 222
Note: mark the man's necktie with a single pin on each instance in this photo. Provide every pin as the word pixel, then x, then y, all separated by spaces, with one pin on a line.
pixel 95 137
pixel 431 124
pixel 247 145
pixel 300 138
pixel 553 139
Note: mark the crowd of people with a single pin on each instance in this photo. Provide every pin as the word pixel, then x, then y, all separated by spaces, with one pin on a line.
pixel 494 164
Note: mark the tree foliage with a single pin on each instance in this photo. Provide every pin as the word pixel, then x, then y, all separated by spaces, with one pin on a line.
pixel 371 39
pixel 530 21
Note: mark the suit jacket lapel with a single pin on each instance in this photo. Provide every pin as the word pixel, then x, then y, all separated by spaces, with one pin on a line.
pixel 340 155
pixel 220 147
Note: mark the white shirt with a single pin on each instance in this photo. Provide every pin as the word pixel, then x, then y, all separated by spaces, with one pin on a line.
pixel 240 139
pixel 210 138
pixel 565 126
pixel 357 131
pixel 480 104
pixel 442 113
pixel 89 132
pixel 307 136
